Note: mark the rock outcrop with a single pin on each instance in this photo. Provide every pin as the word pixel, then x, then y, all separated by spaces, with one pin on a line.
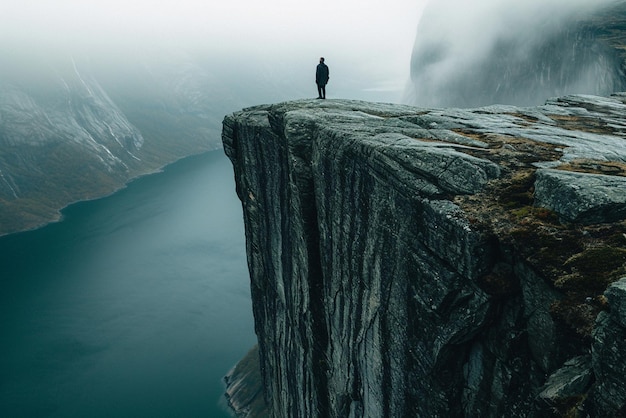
pixel 244 387
pixel 436 263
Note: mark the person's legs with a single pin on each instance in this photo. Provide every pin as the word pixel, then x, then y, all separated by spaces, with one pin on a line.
pixel 319 91
pixel 323 95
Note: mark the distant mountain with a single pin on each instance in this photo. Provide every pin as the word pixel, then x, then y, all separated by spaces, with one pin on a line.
pixel 519 53
pixel 80 128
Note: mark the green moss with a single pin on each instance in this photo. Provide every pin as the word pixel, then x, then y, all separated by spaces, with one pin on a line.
pixel 586 275
pixel 540 214
pixel 575 316
pixel 546 215
pixel 522 212
pixel 594 269
pixel 546 248
pixel 519 192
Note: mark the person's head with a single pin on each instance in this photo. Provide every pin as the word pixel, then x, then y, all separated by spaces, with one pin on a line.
pixel 321 60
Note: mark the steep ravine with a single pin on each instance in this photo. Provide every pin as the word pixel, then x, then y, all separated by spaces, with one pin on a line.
pixel 410 262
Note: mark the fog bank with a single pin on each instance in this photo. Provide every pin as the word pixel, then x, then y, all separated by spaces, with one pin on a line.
pixel 509 51
pixel 366 43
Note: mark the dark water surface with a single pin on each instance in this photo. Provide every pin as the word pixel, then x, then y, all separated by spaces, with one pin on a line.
pixel 135 305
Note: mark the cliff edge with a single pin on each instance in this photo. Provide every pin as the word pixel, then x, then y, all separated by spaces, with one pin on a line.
pixel 436 262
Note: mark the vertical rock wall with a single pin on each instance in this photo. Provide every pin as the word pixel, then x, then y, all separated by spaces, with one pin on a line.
pixel 284 264
pixel 383 282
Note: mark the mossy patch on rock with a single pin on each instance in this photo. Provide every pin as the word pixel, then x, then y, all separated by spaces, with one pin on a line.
pixel 586 124
pixel 594 269
pixel 613 168
pixel 578 260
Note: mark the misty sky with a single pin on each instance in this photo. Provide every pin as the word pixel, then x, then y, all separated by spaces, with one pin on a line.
pixel 458 55
pixel 371 37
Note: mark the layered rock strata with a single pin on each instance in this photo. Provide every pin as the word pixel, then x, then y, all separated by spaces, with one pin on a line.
pixel 436 263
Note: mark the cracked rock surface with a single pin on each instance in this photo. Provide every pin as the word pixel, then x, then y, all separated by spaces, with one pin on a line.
pixel 434 262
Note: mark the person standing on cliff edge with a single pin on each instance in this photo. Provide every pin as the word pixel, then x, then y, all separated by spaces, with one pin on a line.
pixel 321 79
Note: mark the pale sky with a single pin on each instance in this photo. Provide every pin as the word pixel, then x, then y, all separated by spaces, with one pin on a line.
pixel 375 36
pixel 321 20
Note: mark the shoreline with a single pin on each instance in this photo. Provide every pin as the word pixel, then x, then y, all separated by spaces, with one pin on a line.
pixel 59 212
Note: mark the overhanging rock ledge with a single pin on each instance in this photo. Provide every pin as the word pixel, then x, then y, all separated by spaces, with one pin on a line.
pixel 436 262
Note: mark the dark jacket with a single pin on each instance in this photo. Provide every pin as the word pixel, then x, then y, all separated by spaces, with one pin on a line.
pixel 322 75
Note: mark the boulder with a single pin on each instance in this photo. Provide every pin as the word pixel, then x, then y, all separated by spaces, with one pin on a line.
pixel 582 197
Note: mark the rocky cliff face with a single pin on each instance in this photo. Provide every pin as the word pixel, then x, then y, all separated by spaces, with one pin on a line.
pixel 518 53
pixel 69 131
pixel 436 263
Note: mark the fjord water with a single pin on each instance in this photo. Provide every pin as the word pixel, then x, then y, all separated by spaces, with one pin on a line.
pixel 135 305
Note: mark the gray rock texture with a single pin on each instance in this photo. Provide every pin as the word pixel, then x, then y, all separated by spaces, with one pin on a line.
pixel 244 387
pixel 412 262
pixel 609 354
pixel 582 197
